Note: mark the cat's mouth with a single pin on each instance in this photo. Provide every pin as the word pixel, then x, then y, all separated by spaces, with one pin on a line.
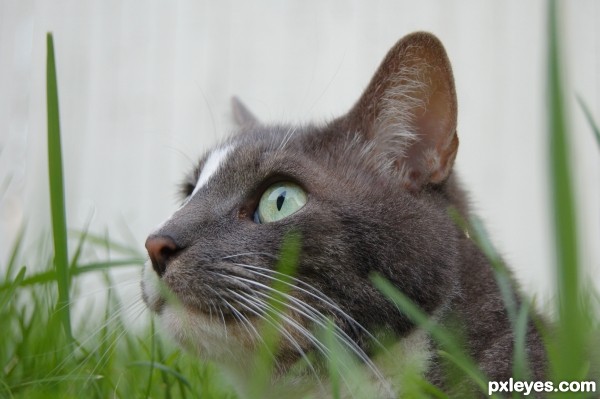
pixel 210 327
pixel 232 300
pixel 235 314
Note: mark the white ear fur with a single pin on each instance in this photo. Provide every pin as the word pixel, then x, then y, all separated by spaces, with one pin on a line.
pixel 409 111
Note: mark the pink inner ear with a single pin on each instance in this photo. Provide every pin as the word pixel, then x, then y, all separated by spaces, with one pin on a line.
pixel 434 152
pixel 409 110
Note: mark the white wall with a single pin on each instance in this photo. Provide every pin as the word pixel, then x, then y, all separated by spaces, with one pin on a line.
pixel 145 88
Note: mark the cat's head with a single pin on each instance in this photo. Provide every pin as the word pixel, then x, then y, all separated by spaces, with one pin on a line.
pixel 367 193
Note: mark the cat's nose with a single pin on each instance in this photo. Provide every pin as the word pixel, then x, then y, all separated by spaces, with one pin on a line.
pixel 161 249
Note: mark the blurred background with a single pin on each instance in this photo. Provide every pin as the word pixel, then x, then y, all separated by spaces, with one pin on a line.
pixel 145 89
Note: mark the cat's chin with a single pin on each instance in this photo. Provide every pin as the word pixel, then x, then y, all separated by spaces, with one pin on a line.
pixel 206 335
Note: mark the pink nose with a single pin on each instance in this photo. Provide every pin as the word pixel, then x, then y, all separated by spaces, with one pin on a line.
pixel 161 249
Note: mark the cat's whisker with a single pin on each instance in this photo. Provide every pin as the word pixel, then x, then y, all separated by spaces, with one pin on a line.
pixel 113 344
pixel 309 312
pixel 322 348
pixel 293 323
pixel 316 317
pixel 264 306
pixel 254 303
pixel 81 363
pixel 288 135
pixel 104 289
pixel 242 319
pixel 134 310
pixel 248 254
pixel 224 323
pixel 283 142
pixel 135 306
pixel 313 292
pixel 251 306
pixel 210 315
pixel 118 313
pixel 340 334
pixel 321 320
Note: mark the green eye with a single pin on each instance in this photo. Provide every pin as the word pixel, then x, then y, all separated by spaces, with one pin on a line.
pixel 280 201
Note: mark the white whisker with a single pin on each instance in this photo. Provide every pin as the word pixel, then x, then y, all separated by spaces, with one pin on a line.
pixel 141 309
pixel 313 292
pixel 242 319
pixel 119 312
pixel 300 328
pixel 251 304
pixel 250 253
pixel 290 132
pixel 316 317
pixel 322 348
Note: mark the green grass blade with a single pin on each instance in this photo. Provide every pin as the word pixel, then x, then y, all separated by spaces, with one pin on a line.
pixel 7 294
pixel 79 249
pixel 166 369
pixel 152 359
pixel 517 314
pixel 501 273
pixel 12 261
pixel 50 275
pixel 590 119
pixel 562 192
pixel 334 361
pixel 453 352
pixel 57 193
pixel 569 350
pixel 271 328
pixel 520 366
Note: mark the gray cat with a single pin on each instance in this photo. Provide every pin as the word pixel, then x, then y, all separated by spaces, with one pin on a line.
pixel 369 192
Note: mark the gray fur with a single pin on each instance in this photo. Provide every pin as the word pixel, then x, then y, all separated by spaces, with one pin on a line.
pixel 241 114
pixel 380 184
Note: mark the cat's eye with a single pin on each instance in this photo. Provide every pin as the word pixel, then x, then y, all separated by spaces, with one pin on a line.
pixel 279 201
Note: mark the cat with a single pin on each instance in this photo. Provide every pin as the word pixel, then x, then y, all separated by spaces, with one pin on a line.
pixel 367 193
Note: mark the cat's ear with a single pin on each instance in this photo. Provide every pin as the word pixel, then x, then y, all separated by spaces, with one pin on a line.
pixel 242 116
pixel 409 111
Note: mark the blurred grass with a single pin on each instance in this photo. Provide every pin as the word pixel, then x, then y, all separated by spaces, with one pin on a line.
pixel 568 350
pixel 42 355
pixel 565 231
pixel 449 342
pixel 590 119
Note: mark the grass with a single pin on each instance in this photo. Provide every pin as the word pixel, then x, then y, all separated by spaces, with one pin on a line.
pixel 568 350
pixel 44 354
pixel 57 191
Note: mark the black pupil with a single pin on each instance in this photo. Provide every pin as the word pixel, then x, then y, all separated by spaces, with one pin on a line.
pixel 280 200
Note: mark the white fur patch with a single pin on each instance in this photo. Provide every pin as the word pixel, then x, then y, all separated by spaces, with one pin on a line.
pixel 407 359
pixel 212 164
pixel 199 334
pixel 151 285
pixel 205 335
